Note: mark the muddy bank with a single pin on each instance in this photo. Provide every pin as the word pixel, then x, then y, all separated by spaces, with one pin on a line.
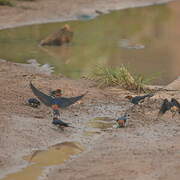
pixel 24 129
pixel 43 11
pixel 143 153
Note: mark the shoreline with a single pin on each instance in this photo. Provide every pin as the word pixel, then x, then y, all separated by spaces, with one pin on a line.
pixel 92 13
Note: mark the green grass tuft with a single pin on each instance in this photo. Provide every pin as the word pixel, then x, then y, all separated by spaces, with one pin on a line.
pixel 118 76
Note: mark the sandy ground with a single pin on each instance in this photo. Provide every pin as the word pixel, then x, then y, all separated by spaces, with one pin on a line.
pixel 24 128
pixel 143 154
pixel 147 149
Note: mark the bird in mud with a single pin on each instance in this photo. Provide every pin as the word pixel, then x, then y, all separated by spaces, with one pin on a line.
pixel 33 102
pixel 173 106
pixel 122 121
pixel 55 103
pixel 138 99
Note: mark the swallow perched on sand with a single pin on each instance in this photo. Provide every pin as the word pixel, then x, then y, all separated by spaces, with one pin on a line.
pixel 173 106
pixel 122 121
pixel 138 99
pixel 33 102
pixel 55 102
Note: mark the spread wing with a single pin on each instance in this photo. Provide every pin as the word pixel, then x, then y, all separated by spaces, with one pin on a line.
pixel 166 105
pixel 65 102
pixel 145 96
pixel 47 100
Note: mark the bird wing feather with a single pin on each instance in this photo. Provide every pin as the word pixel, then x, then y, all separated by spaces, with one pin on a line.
pixel 47 100
pixel 64 102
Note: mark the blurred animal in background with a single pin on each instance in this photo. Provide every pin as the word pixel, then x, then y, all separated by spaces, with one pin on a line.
pixel 63 36
pixel 173 106
pixel 33 102
pixel 122 121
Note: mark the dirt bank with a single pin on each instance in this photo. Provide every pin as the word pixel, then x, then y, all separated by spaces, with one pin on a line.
pixel 41 11
pixel 144 153
pixel 145 141
pixel 24 128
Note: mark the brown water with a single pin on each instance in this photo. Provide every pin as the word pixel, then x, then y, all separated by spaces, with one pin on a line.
pixel 146 39
pixel 55 155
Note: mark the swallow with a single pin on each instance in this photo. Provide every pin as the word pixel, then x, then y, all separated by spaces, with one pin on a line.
pixel 122 121
pixel 55 103
pixel 33 102
pixel 173 106
pixel 138 99
pixel 61 102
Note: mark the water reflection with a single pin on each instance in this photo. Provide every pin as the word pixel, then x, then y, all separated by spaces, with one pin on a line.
pixel 101 123
pixel 97 41
pixel 55 155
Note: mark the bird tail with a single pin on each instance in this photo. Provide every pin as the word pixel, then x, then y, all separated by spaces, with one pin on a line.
pixel 149 95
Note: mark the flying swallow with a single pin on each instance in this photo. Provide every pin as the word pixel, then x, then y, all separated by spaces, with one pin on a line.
pixel 55 103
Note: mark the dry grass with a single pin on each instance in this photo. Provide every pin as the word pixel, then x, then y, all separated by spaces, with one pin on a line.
pixel 118 76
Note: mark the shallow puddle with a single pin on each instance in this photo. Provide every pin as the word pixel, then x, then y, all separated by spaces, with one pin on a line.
pixel 55 155
pixel 101 123
pixel 105 119
pixel 145 38
pixel 91 133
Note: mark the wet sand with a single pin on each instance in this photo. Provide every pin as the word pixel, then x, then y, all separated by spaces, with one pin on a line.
pixel 151 144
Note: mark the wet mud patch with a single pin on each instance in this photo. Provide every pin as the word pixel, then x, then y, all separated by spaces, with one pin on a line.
pixel 101 123
pixel 91 133
pixel 40 159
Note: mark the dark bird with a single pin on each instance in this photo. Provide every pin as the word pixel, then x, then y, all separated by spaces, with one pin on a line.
pixel 61 102
pixel 173 106
pixel 33 102
pixel 60 123
pixel 122 121
pixel 55 103
pixel 175 103
pixel 166 106
pixel 137 99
